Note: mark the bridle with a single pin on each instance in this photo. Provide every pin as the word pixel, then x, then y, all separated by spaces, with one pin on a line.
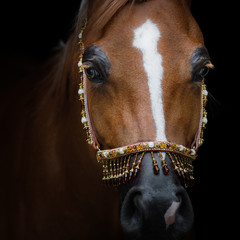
pixel 123 163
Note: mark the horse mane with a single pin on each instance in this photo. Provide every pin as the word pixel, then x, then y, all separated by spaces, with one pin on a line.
pixel 98 14
pixel 57 70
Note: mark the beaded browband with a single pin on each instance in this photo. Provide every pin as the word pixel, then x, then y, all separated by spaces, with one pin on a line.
pixel 122 164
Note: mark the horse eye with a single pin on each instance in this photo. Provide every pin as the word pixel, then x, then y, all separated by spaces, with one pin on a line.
pixel 93 75
pixel 204 71
pixel 200 74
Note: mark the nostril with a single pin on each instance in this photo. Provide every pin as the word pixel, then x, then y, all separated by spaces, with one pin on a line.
pixel 184 216
pixel 131 212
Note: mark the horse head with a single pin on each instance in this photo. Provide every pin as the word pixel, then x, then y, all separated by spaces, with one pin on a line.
pixel 143 95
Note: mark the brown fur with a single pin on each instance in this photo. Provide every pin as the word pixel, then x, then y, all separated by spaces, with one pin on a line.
pixel 50 181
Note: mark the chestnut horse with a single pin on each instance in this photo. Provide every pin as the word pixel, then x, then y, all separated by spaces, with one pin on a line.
pixel 147 62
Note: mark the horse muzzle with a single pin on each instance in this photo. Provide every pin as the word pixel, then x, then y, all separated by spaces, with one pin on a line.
pixel 155 205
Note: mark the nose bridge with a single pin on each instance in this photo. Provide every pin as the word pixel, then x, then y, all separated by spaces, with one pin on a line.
pixel 158 183
pixel 146 39
pixel 138 119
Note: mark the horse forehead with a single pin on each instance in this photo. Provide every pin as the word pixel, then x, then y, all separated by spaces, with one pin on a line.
pixel 180 35
pixel 177 26
pixel 174 20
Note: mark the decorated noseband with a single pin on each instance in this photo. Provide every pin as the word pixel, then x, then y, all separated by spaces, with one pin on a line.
pixel 123 163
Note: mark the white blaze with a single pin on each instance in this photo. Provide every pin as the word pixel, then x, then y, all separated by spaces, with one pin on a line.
pixel 146 39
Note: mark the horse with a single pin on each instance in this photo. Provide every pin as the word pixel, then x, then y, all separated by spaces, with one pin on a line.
pixel 138 68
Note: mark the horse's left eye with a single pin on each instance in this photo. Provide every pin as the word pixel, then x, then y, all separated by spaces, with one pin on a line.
pixel 93 75
pixel 204 71
pixel 200 74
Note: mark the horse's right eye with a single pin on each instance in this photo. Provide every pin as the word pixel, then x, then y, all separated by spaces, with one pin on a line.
pixel 94 75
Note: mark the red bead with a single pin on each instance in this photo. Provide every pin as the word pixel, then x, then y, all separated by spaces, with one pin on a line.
pixel 156 169
pixel 165 170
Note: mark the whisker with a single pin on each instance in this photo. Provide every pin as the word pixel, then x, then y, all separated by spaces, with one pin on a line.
pixel 213 100
pixel 214 105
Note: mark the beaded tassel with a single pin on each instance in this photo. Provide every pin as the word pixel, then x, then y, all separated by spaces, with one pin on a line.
pixel 156 169
pixel 120 165
pixel 183 168
pixel 131 173
pixel 164 165
pixel 137 168
pixel 126 173
pixel 174 163
pixel 120 170
pixel 105 171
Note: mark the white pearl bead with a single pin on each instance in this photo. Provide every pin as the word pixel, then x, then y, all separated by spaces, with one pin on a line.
pixel 192 152
pixel 151 144
pixel 83 120
pixel 180 148
pixel 79 63
pixel 205 92
pixel 205 120
pixel 80 91
pixel 80 35
pixel 121 151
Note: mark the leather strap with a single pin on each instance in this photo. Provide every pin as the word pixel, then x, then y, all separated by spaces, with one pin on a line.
pixel 95 143
pixel 197 136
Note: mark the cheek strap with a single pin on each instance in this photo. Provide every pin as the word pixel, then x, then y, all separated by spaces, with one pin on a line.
pixel 91 137
pixel 198 140
pixel 82 92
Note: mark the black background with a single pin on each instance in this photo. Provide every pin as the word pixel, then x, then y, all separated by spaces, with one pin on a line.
pixel 29 30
